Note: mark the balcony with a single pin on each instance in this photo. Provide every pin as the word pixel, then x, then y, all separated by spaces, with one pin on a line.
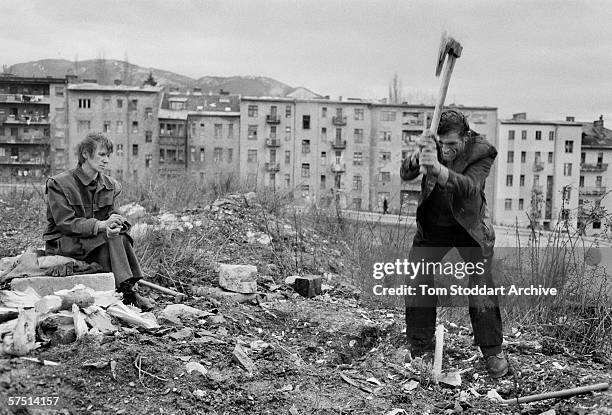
pixel 338 144
pixel 24 98
pixel 273 119
pixel 538 166
pixel 338 167
pixel 273 142
pixel 37 120
pixel 16 161
pixel 25 140
pixel 594 168
pixel 592 190
pixel 339 121
pixel 272 167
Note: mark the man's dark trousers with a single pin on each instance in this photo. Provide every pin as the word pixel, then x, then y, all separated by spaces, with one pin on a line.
pixel 431 245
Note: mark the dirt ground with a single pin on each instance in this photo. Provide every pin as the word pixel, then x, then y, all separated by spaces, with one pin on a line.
pixel 332 354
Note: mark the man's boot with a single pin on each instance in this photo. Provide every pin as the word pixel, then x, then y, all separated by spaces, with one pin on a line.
pixel 131 297
pixel 496 362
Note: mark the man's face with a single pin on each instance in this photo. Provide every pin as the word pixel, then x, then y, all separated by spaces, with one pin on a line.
pixel 98 161
pixel 452 144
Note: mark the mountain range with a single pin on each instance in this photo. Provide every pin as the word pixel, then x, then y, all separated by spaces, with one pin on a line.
pixel 106 71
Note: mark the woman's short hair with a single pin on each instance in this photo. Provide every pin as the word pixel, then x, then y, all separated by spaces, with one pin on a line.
pixel 90 143
pixel 453 121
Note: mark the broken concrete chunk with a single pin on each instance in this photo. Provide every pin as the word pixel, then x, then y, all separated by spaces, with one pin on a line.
pixel 105 299
pixel 97 318
pixel 258 237
pixel 49 285
pixel 24 334
pixel 79 295
pixel 25 298
pixel 182 334
pixel 308 286
pixel 241 356
pixel 173 313
pixel 195 366
pixel 133 316
pixel 78 318
pixel 238 278
pixel 48 304
pixel 8 313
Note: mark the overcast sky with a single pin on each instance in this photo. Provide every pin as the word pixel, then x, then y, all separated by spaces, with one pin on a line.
pixel 549 58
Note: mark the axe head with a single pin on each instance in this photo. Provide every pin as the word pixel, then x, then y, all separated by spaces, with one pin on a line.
pixel 450 47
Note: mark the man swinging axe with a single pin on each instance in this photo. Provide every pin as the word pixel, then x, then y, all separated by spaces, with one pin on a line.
pixel 455 162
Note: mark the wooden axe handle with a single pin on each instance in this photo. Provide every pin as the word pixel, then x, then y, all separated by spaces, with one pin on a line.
pixel 557 394
pixel 160 288
pixel 446 75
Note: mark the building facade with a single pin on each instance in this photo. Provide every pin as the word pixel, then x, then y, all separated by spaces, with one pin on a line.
pixel 32 127
pixel 538 170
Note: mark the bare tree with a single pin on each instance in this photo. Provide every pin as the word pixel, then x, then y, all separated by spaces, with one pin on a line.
pixel 6 68
pixel 127 70
pixel 101 69
pixel 395 90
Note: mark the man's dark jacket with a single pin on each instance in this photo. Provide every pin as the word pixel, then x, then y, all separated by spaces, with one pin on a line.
pixel 72 212
pixel 465 187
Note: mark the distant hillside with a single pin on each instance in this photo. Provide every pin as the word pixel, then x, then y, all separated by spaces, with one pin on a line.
pixel 105 71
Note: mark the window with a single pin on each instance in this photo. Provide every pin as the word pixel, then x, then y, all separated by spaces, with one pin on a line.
pixel 305 146
pixel 230 155
pixel 252 132
pixel 538 135
pixel 569 146
pixel 201 155
pixel 230 131
pixel 385 136
pixel 218 131
pixel 287 157
pixel 550 156
pixel 599 159
pixel 338 134
pixel 598 181
pixel 106 127
pixel 119 126
pixel 218 155
pixel 323 134
pixel 359 113
pixel 358 135
pixel 119 150
pixel 597 225
pixel 133 105
pixel 273 132
pixel 323 158
pixel 538 156
pixel 84 103
pixel 387 115
pixel 522 180
pixel 148 113
pixel 306 122
pixel 508 204
pixel 15 131
pixel 162 154
pixel 551 135
pixel 324 112
pixel 252 111
pixel 287 180
pixel 385 156
pixel 287 133
pixel 288 111
pixel 119 103
pixel 171 155
pixel 385 176
pixel 357 182
pixel 357 158
pixel 305 170
pixel 134 127
pixel 357 203
pixel 511 135
pixel 305 190
pixel 148 136
pixel 59 91
pixel 510 156
pixel 323 182
pixel 524 135
pixel 148 158
pixel 521 203
pixel 523 156
pixel 567 169
pixel 252 156
pixel 581 181
pixel 192 156
pixel 135 150
pixel 509 180
pixel 82 126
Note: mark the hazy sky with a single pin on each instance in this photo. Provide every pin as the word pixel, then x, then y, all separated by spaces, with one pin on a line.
pixel 549 58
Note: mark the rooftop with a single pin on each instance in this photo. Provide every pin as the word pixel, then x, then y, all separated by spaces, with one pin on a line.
pixel 595 135
pixel 87 86
pixel 14 79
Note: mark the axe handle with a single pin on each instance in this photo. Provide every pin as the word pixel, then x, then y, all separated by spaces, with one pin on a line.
pixel 446 75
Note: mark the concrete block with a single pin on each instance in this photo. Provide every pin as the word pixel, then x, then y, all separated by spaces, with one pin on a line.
pixel 238 278
pixel 308 286
pixel 48 285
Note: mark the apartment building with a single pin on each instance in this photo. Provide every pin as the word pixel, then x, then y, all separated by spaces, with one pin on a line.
pixel 32 122
pixel 538 170
pixel 128 115
pixel 595 178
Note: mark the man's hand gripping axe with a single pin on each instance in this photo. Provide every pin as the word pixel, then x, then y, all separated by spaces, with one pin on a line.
pixel 451 48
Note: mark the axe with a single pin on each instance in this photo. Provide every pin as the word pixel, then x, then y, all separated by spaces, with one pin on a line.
pixel 451 48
